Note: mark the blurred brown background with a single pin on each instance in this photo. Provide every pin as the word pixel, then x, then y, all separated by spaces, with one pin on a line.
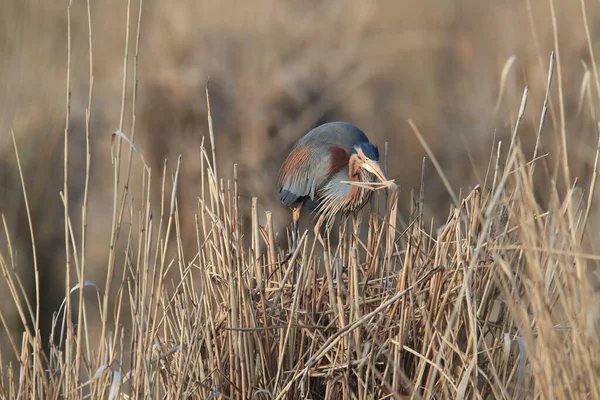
pixel 277 68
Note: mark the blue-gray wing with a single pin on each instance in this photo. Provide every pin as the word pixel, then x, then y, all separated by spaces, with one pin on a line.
pixel 341 134
pixel 318 155
pixel 302 174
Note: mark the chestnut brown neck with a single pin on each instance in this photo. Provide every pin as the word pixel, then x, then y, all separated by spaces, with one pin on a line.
pixel 358 196
pixel 354 171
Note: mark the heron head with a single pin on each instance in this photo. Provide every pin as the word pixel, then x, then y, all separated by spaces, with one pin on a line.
pixel 367 156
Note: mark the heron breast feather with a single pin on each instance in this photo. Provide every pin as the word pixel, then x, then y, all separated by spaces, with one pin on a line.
pixel 338 159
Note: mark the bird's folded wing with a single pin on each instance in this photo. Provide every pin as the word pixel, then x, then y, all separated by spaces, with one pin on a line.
pixel 307 170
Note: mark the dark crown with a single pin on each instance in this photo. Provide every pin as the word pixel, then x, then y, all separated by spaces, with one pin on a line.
pixel 370 150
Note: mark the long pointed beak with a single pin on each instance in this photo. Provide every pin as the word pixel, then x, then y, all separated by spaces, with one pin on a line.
pixel 375 169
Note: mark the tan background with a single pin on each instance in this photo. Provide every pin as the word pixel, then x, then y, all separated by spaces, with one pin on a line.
pixel 277 69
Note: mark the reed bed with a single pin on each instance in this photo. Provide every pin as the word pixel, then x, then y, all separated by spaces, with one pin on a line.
pixel 501 301
pixel 496 303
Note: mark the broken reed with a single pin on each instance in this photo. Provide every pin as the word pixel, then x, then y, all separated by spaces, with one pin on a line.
pixel 494 303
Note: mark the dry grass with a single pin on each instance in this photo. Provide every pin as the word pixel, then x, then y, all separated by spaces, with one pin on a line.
pixel 497 303
pixel 502 300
